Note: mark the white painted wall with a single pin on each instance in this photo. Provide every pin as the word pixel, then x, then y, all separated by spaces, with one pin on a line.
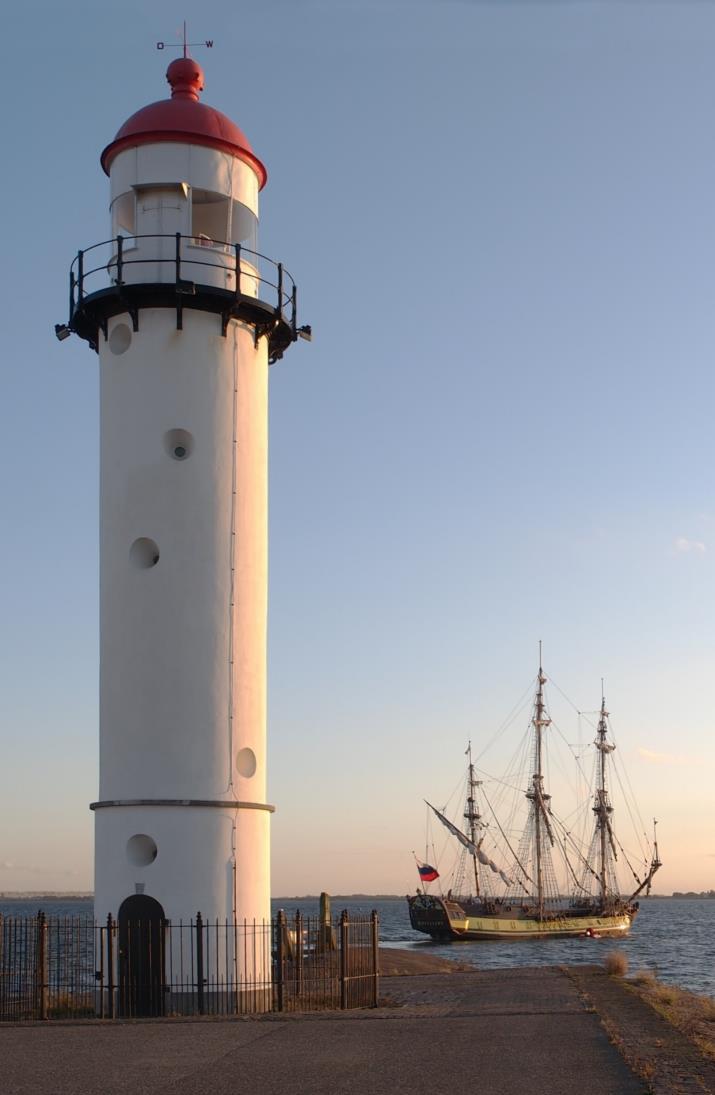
pixel 183 674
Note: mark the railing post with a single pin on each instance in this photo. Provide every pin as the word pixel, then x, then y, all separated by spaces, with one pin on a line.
pixel 294 317
pixel 99 974
pixel 280 289
pixel 80 276
pixel 178 258
pixel 199 960
pixel 299 953
pixel 344 958
pixel 237 248
pixel 41 966
pixel 280 959
pixel 120 258
pixel 72 287
pixel 110 969
pixel 375 925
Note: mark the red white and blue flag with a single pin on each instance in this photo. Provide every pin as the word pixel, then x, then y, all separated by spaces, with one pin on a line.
pixel 427 873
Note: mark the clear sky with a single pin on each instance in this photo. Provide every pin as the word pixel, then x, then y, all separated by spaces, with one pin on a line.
pixel 501 218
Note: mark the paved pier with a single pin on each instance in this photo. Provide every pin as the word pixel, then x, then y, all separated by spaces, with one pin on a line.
pixel 497 1032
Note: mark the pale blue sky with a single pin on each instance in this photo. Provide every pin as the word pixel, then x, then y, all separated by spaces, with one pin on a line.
pixel 501 220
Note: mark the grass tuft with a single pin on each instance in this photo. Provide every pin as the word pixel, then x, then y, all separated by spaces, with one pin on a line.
pixel 616 964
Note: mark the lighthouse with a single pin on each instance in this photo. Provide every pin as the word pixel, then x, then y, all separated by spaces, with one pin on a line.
pixel 185 316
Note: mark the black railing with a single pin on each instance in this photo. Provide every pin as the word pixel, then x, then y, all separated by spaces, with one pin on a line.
pixel 113 258
pixel 75 968
pixel 128 273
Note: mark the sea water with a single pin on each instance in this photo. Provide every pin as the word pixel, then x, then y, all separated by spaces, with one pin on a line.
pixel 672 938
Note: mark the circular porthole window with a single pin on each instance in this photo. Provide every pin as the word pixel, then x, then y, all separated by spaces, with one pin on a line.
pixel 141 850
pixel 120 339
pixel 246 763
pixel 144 553
pixel 178 444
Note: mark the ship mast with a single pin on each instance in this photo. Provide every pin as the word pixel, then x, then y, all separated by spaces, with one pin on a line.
pixel 472 815
pixel 602 807
pixel 536 794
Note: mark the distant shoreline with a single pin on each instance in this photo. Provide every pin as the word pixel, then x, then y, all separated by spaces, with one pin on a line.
pixel 66 895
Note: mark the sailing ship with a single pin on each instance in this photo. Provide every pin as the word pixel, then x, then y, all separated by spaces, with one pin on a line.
pixel 520 897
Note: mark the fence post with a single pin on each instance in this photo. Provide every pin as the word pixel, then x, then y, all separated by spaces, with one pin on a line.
pixel 280 958
pixel 110 969
pixel 298 953
pixel 99 973
pixel 344 956
pixel 375 957
pixel 41 966
pixel 200 963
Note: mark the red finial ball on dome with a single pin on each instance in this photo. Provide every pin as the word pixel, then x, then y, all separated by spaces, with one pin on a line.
pixel 186 78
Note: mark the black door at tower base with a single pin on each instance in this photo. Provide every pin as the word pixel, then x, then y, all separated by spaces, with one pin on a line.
pixel 142 931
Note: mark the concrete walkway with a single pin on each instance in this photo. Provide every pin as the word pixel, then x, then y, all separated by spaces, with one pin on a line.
pixel 500 1032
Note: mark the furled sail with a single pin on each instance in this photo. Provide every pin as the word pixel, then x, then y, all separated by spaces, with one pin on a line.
pixel 471 847
pixel 464 840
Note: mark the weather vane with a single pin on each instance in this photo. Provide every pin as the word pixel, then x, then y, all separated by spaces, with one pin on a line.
pixel 208 42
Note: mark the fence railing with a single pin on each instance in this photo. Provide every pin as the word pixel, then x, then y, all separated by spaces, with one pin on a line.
pixel 73 967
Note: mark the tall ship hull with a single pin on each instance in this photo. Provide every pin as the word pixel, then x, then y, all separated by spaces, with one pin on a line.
pixel 447 920
pixel 506 884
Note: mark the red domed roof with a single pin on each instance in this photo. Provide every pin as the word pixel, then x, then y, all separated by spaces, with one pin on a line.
pixel 182 118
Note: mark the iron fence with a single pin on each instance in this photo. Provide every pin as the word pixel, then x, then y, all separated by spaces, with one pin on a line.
pixel 73 967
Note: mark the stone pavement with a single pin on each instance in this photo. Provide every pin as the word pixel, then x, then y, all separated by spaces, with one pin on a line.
pixel 497 1032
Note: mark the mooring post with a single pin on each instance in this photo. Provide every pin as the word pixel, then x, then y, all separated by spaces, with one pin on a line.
pixel 344 958
pixel 326 935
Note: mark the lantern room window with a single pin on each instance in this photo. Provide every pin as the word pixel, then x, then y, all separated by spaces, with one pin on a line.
pixel 209 218
pixel 216 221
pixel 244 226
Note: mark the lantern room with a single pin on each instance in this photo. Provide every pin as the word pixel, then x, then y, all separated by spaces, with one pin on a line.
pixel 184 186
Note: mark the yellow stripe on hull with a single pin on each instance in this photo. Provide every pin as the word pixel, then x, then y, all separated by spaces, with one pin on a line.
pixel 476 927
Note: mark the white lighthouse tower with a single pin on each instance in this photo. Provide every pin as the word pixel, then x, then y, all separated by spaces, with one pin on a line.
pixel 186 317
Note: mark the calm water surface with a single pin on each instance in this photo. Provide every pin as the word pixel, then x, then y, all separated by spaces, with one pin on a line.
pixel 675 939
